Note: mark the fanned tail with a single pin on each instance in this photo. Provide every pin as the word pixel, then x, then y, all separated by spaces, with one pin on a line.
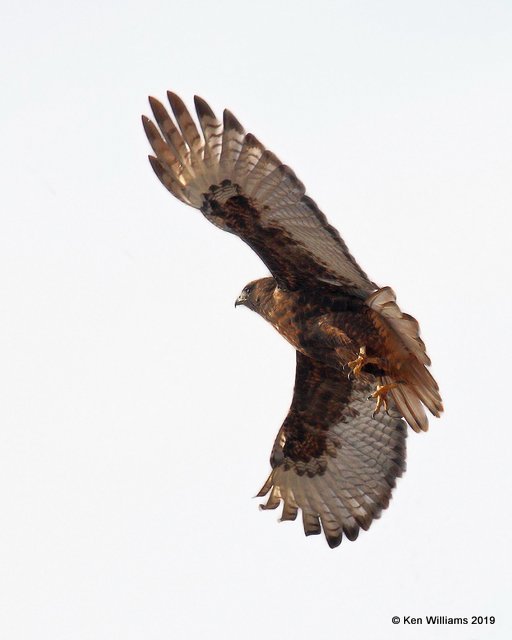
pixel 401 333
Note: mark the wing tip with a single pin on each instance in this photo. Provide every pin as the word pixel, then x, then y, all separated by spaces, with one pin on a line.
pixel 149 127
pixel 154 102
pixel 334 541
pixel 174 98
pixel 231 122
pixel 312 532
pixel 202 107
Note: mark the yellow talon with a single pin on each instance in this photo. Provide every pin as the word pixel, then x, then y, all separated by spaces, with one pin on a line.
pixel 357 364
pixel 380 394
pixel 362 360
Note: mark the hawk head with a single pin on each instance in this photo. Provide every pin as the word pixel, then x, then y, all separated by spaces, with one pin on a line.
pixel 257 294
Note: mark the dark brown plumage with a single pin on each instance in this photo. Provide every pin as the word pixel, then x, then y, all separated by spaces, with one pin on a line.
pixel 331 458
pixel 337 455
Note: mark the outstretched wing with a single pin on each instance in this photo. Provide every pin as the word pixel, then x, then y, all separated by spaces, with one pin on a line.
pixel 243 188
pixel 332 459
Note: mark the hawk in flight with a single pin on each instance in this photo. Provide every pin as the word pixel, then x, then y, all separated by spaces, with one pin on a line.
pixel 361 365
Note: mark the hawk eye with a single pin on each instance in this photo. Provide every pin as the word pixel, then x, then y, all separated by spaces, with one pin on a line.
pixel 247 289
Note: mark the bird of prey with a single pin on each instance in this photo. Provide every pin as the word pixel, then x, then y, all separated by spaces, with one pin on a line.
pixel 361 371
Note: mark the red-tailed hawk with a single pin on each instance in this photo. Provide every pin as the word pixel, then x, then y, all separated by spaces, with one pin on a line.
pixel 361 364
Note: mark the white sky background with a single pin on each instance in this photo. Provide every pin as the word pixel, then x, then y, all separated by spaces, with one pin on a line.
pixel 139 408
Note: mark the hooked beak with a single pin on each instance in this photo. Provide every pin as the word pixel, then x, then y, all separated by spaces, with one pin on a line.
pixel 241 300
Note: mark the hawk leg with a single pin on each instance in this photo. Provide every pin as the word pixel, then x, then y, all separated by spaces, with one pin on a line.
pixel 362 360
pixel 380 394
